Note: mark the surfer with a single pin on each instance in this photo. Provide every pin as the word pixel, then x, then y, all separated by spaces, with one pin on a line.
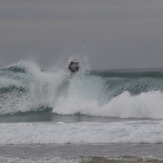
pixel 73 67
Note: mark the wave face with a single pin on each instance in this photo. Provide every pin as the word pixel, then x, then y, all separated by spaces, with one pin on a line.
pixel 123 94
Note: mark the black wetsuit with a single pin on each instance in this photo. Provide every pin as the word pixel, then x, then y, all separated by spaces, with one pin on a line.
pixel 73 66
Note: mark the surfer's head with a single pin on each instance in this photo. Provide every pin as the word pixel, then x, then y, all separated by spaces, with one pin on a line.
pixel 73 66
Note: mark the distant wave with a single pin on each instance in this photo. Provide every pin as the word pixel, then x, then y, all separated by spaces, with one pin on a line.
pixel 24 87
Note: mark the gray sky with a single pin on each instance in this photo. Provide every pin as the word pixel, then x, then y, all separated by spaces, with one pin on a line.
pixel 111 33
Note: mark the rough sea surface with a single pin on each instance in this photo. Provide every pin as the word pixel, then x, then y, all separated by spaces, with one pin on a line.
pixel 91 117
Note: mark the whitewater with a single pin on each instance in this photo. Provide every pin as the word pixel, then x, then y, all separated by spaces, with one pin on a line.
pixel 103 112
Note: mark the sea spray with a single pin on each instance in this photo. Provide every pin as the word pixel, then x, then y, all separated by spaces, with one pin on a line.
pixel 24 87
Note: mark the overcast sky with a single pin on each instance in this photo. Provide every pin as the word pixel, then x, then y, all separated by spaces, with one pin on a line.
pixel 111 33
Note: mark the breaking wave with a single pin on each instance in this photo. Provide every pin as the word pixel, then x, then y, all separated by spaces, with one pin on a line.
pixel 24 87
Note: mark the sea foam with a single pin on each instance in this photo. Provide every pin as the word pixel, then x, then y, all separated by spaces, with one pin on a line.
pixel 82 132
pixel 24 87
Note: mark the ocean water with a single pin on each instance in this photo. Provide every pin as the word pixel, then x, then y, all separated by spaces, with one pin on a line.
pixel 91 117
